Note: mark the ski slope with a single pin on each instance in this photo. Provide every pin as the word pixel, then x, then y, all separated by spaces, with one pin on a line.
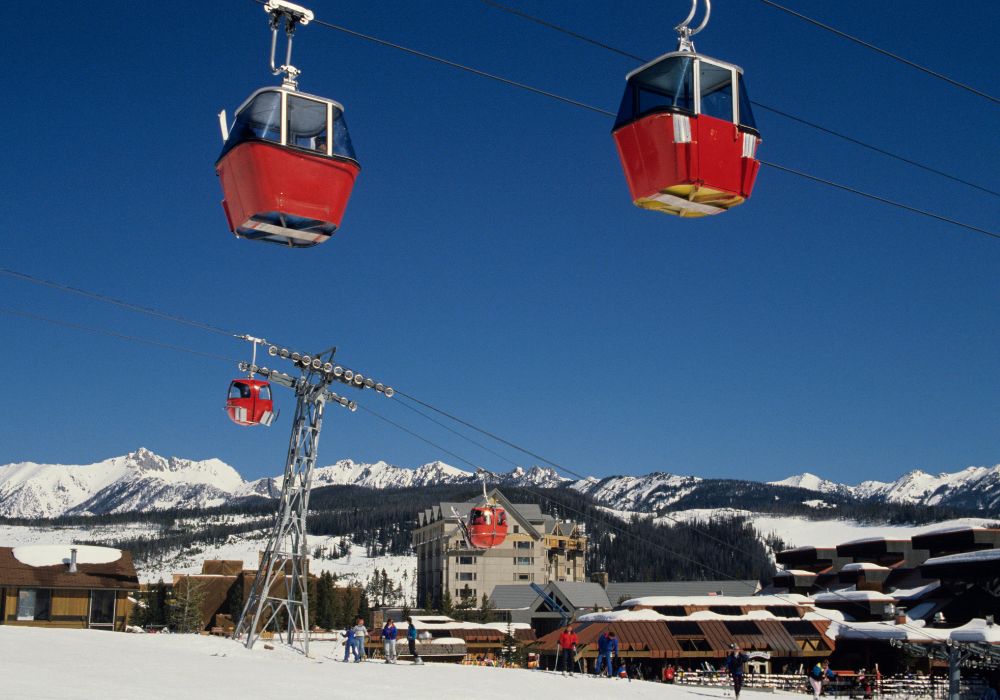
pixel 55 663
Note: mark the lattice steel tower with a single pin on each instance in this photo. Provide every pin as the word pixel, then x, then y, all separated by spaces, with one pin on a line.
pixel 279 599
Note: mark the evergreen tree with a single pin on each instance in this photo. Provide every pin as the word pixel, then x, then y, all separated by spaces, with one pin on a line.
pixel 485 610
pixel 447 607
pixel 364 608
pixel 185 607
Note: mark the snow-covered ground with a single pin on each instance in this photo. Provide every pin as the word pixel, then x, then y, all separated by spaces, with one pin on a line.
pixel 796 532
pixel 58 664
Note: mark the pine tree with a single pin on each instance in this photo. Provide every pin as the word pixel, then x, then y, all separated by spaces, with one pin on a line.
pixel 364 608
pixel 485 610
pixel 447 607
pixel 185 607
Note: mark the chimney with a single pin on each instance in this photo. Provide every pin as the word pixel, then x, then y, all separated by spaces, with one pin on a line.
pixel 600 577
pixel 900 616
pixel 72 560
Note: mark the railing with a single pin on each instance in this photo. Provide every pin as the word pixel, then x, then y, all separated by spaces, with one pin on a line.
pixel 913 687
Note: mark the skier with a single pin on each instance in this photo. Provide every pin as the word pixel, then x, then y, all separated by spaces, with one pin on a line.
pixel 567 649
pixel 734 664
pixel 819 675
pixel 349 644
pixel 411 640
pixel 607 649
pixel 360 632
pixel 623 670
pixel 668 673
pixel 389 634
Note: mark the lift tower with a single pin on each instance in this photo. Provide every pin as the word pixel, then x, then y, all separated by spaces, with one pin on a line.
pixel 279 599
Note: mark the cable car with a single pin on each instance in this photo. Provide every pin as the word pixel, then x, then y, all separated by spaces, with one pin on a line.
pixel 685 132
pixel 250 403
pixel 487 526
pixel 287 166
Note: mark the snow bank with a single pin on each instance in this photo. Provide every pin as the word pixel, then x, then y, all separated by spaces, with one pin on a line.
pixel 716 600
pixel 854 596
pixel 623 616
pixel 977 630
pixel 983 555
pixel 52 554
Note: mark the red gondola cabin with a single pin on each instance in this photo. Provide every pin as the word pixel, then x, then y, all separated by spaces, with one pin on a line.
pixel 287 168
pixel 250 403
pixel 686 135
pixel 487 526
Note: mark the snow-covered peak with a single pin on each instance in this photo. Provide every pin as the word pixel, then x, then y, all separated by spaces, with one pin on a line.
pixel 810 482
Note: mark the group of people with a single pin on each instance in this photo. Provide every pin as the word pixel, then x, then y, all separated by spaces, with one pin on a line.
pixel 608 661
pixel 355 641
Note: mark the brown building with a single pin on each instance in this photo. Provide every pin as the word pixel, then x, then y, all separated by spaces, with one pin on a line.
pixel 63 586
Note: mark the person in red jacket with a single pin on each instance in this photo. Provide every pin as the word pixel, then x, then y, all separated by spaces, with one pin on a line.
pixel 567 649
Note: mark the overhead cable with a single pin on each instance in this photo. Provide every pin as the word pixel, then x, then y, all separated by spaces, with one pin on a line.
pixel 755 103
pixel 116 302
pixel 598 110
pixel 884 52
pixel 114 334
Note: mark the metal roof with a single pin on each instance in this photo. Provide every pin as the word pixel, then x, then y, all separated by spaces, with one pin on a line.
pixel 513 596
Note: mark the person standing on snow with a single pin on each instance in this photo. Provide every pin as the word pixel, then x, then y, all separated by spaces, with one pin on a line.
pixel 360 632
pixel 607 648
pixel 735 662
pixel 567 649
pixel 819 675
pixel 349 644
pixel 389 634
pixel 411 640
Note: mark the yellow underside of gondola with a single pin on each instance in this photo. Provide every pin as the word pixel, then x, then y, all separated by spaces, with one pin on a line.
pixel 690 201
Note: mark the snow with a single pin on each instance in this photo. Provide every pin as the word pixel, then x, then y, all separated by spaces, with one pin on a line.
pixel 623 616
pixel 52 554
pixel 830 533
pixel 913 631
pixel 167 667
pixel 864 566
pixel 795 572
pixel 977 630
pixel 756 601
pixel 865 596
pixel 982 555
pixel 916 592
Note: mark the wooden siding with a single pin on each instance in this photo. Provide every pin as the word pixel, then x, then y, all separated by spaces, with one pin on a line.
pixel 70 608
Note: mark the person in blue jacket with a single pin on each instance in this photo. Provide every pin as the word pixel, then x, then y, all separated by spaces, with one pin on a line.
pixel 349 644
pixel 411 640
pixel 735 662
pixel 607 649
pixel 389 633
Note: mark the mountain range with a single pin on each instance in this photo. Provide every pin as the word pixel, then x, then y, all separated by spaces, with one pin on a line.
pixel 143 480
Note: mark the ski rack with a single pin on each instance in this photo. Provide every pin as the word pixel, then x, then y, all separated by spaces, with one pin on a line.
pixel 279 597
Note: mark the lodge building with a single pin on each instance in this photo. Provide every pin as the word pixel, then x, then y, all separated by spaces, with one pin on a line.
pixel 538 549
pixel 81 586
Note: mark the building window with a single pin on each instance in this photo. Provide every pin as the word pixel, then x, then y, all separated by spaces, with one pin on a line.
pixel 517 529
pixel 742 627
pixel 466 560
pixel 34 604
pixel 524 577
pixel 522 545
pixel 465 575
pixel 524 561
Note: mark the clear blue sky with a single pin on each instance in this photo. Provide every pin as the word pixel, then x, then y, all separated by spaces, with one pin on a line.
pixel 490 261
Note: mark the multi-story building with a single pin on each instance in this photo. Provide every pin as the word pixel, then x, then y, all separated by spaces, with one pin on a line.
pixel 538 549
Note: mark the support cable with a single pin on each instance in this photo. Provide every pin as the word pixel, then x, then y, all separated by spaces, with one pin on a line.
pixel 598 110
pixel 755 103
pixel 884 52
pixel 116 302
pixel 114 334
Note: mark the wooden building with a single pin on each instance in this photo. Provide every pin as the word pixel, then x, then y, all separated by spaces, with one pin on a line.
pixel 62 586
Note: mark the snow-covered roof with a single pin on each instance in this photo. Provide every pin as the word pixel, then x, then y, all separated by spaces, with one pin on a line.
pixel 757 601
pixel 853 596
pixel 623 616
pixel 796 572
pixel 913 631
pixel 977 630
pixel 916 592
pixel 980 556
pixel 53 554
pixel 864 566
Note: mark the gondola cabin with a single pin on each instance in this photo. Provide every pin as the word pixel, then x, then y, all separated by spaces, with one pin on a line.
pixel 487 526
pixel 287 168
pixel 686 135
pixel 250 403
